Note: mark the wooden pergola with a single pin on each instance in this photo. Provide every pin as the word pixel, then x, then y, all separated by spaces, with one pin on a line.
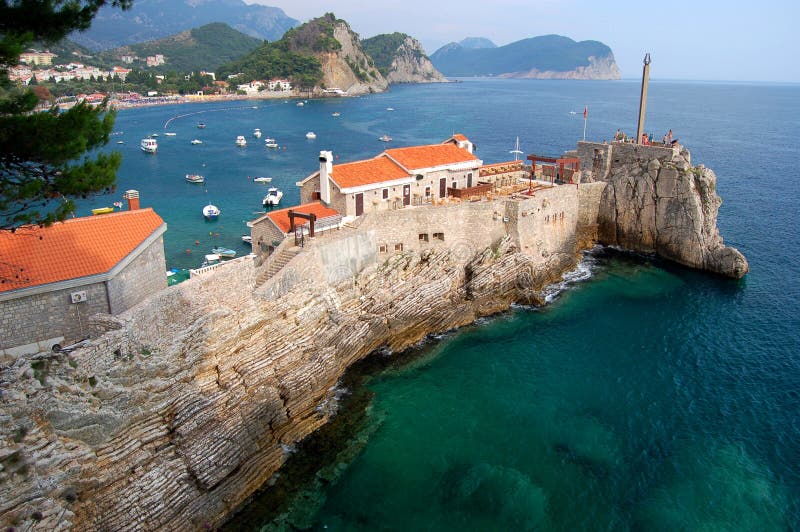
pixel 570 163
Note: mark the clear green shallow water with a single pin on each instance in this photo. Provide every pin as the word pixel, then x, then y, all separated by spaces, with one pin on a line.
pixel 646 397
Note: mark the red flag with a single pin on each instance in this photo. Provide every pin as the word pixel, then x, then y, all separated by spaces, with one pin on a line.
pixel 585 112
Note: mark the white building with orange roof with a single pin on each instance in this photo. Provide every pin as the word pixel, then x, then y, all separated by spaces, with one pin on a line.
pixel 53 279
pixel 397 178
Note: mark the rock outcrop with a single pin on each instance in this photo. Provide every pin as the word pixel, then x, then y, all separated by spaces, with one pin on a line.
pixel 349 68
pixel 603 68
pixel 663 204
pixel 401 59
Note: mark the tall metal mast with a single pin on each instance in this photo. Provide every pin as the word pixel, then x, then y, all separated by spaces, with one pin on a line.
pixel 643 98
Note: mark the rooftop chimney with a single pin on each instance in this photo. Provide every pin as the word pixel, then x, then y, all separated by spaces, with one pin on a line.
pixel 325 170
pixel 133 199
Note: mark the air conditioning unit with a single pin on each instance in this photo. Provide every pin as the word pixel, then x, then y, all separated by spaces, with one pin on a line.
pixel 78 297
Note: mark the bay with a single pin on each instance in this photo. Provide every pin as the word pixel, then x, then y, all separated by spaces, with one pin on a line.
pixel 648 396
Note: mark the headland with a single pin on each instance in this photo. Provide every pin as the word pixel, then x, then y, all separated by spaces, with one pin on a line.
pixel 183 406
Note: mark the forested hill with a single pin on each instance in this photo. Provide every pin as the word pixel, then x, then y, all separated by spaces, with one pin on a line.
pixel 153 19
pixel 547 56
pixel 203 48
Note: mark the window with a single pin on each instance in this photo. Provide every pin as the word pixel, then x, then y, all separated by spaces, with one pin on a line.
pixel 423 237
pixel 383 248
pixel 427 192
pixel 398 247
pixel 316 195
pixel 385 193
pixel 455 184
pixel 438 236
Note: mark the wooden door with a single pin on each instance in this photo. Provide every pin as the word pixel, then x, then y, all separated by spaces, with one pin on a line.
pixel 443 187
pixel 359 204
pixel 406 195
pixel 469 179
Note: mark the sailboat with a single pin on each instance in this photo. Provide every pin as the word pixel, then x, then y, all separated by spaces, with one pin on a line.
pixel 516 151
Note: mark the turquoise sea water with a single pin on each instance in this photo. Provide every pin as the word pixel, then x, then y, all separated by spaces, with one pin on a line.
pixel 646 397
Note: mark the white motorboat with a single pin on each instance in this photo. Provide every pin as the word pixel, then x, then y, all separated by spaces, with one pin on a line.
pixel 247 239
pixel 201 125
pixel 272 198
pixel 270 142
pixel 311 135
pixel 149 145
pixel 196 141
pixel 299 104
pixel 385 138
pixel 257 133
pixel 337 113
pixel 170 134
pixel 210 211
pixel 262 179
pixel 195 178
pixel 225 253
pixel 241 141
pixel 390 108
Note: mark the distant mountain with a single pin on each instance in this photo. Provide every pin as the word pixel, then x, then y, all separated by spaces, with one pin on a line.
pixel 153 19
pixel 203 48
pixel 323 52
pixel 475 43
pixel 546 57
pixel 401 59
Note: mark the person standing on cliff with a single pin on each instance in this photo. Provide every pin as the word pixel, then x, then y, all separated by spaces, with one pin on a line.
pixel 618 135
pixel 669 135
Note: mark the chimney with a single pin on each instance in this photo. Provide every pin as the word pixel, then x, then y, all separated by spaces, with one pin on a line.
pixel 325 171
pixel 133 199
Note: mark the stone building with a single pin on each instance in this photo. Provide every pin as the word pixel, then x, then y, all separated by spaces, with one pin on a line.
pixel 396 178
pixel 52 279
pixel 270 229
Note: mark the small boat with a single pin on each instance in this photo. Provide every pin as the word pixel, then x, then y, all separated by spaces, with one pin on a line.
pixel 337 113
pixel 210 212
pixel 573 113
pixel 272 144
pixel 390 108
pixel 272 198
pixel 241 141
pixel 225 253
pixel 247 239
pixel 154 135
pixel 149 145
pixel 201 125
pixel 120 142
pixel 257 133
pixel 210 260
pixel 102 210
pixel 196 141
pixel 385 138
pixel 118 204
pixel 195 178
pixel 262 179
pixel 311 135
pixel 170 134
pixel 299 104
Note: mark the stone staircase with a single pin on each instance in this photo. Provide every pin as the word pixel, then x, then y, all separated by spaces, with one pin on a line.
pixel 276 262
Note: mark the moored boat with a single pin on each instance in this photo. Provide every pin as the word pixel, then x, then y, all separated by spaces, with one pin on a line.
pixel 211 212
pixel 337 113
pixel 149 145
pixel 262 179
pixel 196 141
pixel 257 133
pixel 272 198
pixel 385 138
pixel 102 210
pixel 170 134
pixel 247 239
pixel 201 125
pixel 226 253
pixel 311 135
pixel 195 178
pixel 270 142
pixel 241 141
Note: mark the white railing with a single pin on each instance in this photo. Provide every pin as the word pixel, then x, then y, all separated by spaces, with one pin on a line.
pixel 210 268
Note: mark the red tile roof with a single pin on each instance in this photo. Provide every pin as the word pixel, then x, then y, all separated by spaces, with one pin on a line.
pixel 459 136
pixel 34 255
pixel 376 170
pixel 417 157
pixel 281 217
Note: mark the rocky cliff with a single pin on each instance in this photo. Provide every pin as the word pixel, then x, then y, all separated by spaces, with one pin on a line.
pixel 401 59
pixel 349 68
pixel 656 201
pixel 603 68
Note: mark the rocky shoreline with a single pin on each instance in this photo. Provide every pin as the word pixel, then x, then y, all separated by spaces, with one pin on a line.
pixel 185 405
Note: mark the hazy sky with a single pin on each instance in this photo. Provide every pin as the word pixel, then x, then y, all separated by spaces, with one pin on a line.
pixel 687 39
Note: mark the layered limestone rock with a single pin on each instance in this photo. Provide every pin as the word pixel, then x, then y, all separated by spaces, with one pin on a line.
pixel 411 65
pixel 189 402
pixel 603 68
pixel 664 205
pixel 349 68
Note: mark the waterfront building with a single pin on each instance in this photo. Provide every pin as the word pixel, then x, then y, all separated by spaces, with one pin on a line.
pixel 55 278
pixel 269 230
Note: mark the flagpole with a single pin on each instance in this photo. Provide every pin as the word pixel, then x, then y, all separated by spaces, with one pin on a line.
pixel 585 115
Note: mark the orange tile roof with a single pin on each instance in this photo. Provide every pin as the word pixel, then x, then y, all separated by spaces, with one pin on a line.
pixel 376 170
pixel 416 157
pixel 281 217
pixel 459 136
pixel 34 255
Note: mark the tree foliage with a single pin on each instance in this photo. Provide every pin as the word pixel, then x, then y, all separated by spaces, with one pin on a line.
pixel 43 155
